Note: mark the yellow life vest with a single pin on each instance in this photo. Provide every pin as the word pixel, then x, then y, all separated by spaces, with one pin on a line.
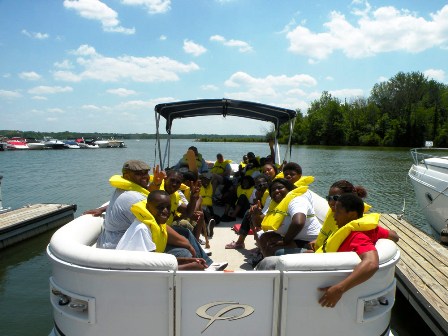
pixel 251 171
pixel 304 181
pixel 329 226
pixel 240 191
pixel 207 195
pixel 186 191
pixel 175 199
pixel 184 162
pixel 243 164
pixel 117 181
pixel 220 167
pixel 159 233
pixel 365 223
pixel 277 211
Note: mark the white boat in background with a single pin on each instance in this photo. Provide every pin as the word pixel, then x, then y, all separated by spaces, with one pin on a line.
pixel 114 292
pixel 16 143
pixel 53 143
pixel 71 144
pixel 102 143
pixel 34 144
pixel 87 144
pixel 429 178
pixel 113 143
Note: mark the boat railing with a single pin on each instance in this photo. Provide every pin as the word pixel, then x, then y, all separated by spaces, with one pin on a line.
pixel 419 155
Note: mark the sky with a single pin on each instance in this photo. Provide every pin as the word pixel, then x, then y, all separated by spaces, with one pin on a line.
pixel 102 66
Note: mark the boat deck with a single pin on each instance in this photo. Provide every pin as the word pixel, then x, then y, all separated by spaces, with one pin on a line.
pixel 422 273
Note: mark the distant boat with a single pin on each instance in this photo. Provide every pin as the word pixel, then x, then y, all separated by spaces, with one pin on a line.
pixel 71 144
pixel 111 143
pixel 86 144
pixel 34 143
pixel 3 144
pixel 53 143
pixel 16 143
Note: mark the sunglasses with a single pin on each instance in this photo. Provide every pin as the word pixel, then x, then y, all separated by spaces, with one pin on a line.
pixel 261 185
pixel 332 197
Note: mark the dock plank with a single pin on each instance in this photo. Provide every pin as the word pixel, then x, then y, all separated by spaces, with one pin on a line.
pixel 422 272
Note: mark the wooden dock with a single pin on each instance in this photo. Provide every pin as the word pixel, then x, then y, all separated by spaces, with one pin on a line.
pixel 28 221
pixel 422 273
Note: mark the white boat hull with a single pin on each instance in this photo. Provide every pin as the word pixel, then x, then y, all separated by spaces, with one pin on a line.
pixel 431 190
pixel 35 145
pixel 115 292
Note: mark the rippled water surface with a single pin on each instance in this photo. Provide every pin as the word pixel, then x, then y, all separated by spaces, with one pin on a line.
pixel 81 177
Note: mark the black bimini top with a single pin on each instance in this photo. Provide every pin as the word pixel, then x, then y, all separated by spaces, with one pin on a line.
pixel 224 107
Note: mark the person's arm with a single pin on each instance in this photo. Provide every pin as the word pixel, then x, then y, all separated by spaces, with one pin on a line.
pixel 363 271
pixel 271 148
pixel 176 239
pixel 393 236
pixel 157 179
pixel 194 197
pixel 96 212
pixel 297 224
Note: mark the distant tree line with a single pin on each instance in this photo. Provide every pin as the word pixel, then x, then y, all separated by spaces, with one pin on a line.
pixel 405 111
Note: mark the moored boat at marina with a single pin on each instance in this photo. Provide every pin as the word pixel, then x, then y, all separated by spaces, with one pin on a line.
pixel 16 143
pixel 71 144
pixel 34 144
pixel 429 177
pixel 87 144
pixel 97 292
pixel 53 143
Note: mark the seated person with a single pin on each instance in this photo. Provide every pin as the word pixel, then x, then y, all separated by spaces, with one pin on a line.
pixel 243 164
pixel 149 233
pixel 260 194
pixel 253 167
pixel 237 200
pixel 289 222
pixel 349 208
pixel 200 162
pixel 206 193
pixel 220 172
pixel 329 225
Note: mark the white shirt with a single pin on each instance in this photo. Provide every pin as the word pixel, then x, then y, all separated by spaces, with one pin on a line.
pixel 137 237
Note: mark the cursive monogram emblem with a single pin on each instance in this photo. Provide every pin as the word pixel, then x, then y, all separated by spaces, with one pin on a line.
pixel 228 306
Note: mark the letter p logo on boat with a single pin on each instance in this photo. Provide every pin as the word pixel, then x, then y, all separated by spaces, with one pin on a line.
pixel 222 313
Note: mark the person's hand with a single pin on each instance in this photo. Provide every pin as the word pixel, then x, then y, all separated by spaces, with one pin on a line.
pixel 312 245
pixel 198 215
pixel 331 296
pixel 158 175
pixel 195 190
pixel 256 209
pixel 191 250
pixel 94 212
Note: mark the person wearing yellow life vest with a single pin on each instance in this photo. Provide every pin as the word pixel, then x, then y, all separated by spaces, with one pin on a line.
pixel 149 233
pixel 206 193
pixel 200 162
pixel 221 171
pixel 356 233
pixel 289 222
pixel 130 188
pixel 261 194
pixel 329 225
pixel 237 199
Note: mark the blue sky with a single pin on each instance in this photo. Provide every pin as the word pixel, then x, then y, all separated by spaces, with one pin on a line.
pixel 102 66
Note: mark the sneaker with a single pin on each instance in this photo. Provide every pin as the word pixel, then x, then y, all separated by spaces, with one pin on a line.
pixel 207 251
pixel 210 226
pixel 201 242
pixel 215 267
pixel 234 245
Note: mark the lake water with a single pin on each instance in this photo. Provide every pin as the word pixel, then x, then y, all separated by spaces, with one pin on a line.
pixel 81 177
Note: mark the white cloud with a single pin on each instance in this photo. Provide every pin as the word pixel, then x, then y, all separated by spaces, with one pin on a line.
pixel 241 45
pixel 65 64
pixel 347 93
pixel 31 76
pixel 382 30
pixel 34 35
pixel 10 94
pixel 382 79
pixel 55 110
pixel 193 48
pixel 97 10
pixel 39 98
pixel 138 69
pixel 91 107
pixel 239 79
pixel 162 38
pixel 122 92
pixel 153 6
pixel 209 87
pixel 42 90
pixel 436 74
